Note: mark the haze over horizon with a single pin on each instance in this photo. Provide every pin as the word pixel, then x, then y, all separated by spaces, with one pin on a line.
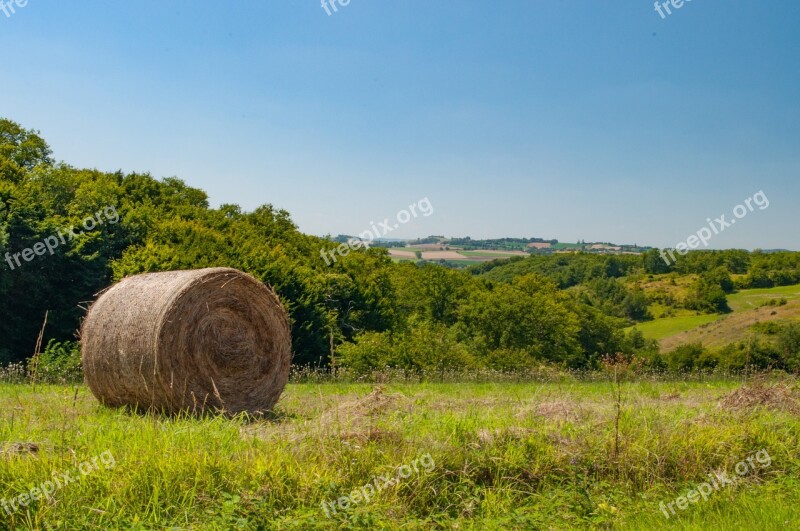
pixel 575 121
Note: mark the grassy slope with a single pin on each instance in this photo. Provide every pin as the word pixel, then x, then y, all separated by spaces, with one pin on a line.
pixel 715 330
pixel 732 328
pixel 510 456
pixel 753 298
pixel 670 326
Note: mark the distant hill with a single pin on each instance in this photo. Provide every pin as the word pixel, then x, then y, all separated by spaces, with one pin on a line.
pixel 465 251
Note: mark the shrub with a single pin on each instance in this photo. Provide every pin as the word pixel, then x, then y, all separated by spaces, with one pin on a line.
pixel 59 363
pixel 753 355
pixel 708 297
pixel 770 328
pixel 684 357
pixel 424 347
pixel 509 360
pixel 371 351
pixel 789 345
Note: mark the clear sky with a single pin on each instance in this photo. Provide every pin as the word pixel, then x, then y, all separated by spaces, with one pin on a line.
pixel 568 119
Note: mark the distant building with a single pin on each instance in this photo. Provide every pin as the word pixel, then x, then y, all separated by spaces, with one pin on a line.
pixel 604 247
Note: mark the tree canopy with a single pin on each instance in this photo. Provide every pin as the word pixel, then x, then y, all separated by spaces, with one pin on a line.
pixel 362 310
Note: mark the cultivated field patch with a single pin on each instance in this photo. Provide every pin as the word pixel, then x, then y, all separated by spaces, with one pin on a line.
pixel 443 255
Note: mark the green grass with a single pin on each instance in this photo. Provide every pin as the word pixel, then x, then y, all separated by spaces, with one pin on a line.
pixel 460 262
pixel 753 298
pixel 505 456
pixel 669 326
pixel 662 328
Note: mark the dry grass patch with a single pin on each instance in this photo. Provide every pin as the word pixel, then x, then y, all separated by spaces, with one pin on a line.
pixel 487 437
pixel 350 419
pixel 19 449
pixel 777 397
pixel 560 410
pixel 374 405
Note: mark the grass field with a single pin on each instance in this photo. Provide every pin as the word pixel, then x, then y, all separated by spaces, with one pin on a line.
pixel 719 330
pixel 463 456
pixel 753 298
pixel 670 326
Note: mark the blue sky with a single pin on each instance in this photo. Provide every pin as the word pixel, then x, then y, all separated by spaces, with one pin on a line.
pixel 571 119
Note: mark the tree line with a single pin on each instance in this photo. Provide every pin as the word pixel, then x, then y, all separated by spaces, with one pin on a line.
pixel 362 311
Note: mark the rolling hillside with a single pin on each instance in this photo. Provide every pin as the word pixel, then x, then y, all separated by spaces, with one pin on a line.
pixel 717 331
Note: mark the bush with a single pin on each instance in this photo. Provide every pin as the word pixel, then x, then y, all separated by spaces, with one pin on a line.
pixel 789 345
pixel 59 363
pixel 707 360
pixel 770 328
pixel 708 297
pixel 509 360
pixel 755 355
pixel 424 347
pixel 775 302
pixel 685 357
pixel 371 351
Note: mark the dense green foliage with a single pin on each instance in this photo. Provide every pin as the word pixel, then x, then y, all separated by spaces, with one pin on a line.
pixel 775 345
pixel 708 292
pixel 361 311
pixel 162 225
pixel 566 270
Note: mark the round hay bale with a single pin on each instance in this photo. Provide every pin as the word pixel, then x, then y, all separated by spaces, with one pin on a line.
pixel 188 341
